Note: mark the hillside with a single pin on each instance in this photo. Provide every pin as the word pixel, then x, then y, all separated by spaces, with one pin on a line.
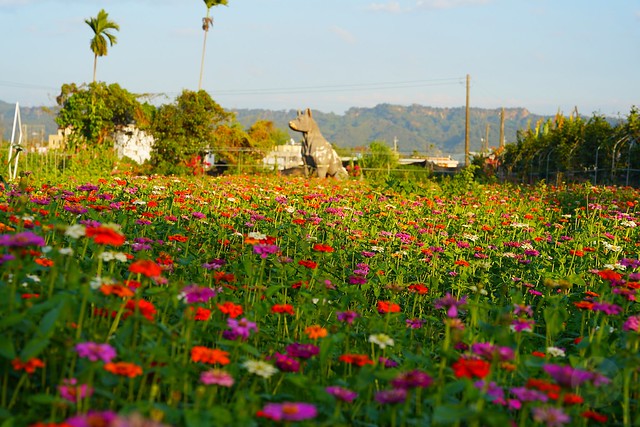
pixel 416 127
pixel 428 130
pixel 38 119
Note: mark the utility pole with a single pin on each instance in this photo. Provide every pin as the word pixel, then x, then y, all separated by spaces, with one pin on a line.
pixel 466 127
pixel 502 128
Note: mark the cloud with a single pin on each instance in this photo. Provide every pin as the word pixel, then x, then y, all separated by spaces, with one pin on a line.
pixel 393 7
pixel 449 4
pixel 344 34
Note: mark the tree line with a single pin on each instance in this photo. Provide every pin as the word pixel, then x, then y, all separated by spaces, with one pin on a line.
pixel 581 149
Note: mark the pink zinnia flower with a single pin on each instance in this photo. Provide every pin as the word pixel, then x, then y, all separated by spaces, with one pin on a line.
pixel 216 377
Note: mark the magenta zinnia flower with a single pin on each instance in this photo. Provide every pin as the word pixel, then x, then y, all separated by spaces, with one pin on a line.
pixel 20 240
pixel 94 351
pixel 451 303
pixel 342 393
pixel 394 395
pixel 568 376
pixel 242 327
pixel 412 379
pixel 290 411
pixel 71 391
pixel 195 293
pixel 92 418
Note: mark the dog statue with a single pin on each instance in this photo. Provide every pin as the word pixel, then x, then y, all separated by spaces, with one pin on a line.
pixel 317 153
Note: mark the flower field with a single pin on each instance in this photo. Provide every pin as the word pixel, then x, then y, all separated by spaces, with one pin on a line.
pixel 250 301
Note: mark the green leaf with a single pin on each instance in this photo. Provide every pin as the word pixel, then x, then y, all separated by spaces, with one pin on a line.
pixel 7 350
pixel 195 418
pixel 34 347
pixel 48 322
pixel 11 320
pixel 251 349
pixel 448 414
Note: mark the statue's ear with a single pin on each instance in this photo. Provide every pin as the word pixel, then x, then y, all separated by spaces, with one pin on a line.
pixel 299 112
pixel 309 112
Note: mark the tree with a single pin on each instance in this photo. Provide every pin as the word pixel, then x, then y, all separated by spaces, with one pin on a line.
pixel 96 110
pixel 207 22
pixel 102 28
pixel 184 129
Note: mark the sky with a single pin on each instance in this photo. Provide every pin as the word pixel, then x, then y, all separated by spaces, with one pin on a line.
pixel 547 56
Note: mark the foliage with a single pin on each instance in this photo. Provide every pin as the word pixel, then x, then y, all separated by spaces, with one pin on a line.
pixel 96 110
pixel 379 160
pixel 185 129
pixel 576 146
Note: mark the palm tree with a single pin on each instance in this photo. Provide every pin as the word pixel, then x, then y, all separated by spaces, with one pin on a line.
pixel 101 27
pixel 206 23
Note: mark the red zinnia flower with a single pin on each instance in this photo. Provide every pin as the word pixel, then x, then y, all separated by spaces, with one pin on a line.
pixel 609 275
pixel 29 366
pixel 105 235
pixel 282 309
pixel 418 288
pixel 471 368
pixel 321 247
pixel 146 308
pixel 308 263
pixel 356 359
pixel 388 307
pixel 593 415
pixel 146 267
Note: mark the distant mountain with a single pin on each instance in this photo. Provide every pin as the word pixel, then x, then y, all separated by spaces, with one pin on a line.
pixel 427 130
pixel 40 121
pixel 415 128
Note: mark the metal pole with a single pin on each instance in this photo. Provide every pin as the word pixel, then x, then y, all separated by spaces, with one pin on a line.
pixel 595 171
pixel 629 161
pixel 548 156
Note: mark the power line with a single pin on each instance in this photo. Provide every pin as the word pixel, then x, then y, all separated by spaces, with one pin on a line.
pixel 344 87
pixel 25 85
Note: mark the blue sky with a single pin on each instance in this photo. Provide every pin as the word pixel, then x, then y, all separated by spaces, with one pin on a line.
pixel 330 55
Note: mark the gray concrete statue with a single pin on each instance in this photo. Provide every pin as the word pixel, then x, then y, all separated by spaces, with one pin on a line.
pixel 317 153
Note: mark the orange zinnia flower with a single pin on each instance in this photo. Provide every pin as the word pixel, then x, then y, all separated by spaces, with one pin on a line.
pixel 315 331
pixel 145 267
pixel 178 238
pixel 230 309
pixel 117 290
pixel 210 356
pixel 125 369
pixel 45 262
pixel 105 235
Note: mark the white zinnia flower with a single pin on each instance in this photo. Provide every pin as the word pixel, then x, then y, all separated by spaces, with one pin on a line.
pixel 555 352
pixel 75 231
pixel 260 368
pixel 381 340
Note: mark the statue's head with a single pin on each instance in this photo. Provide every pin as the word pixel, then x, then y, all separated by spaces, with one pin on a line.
pixel 303 122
